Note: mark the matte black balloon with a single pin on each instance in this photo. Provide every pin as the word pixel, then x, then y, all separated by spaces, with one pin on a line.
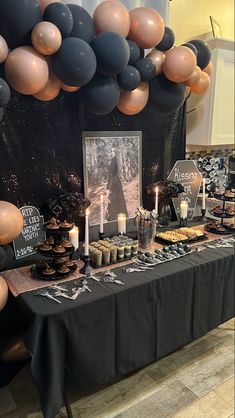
pixel 203 53
pixel 83 26
pixel 146 68
pixel 112 53
pixel 167 41
pixel 9 256
pixel 17 19
pixel 101 95
pixel 1 113
pixel 5 93
pixel 61 16
pixel 165 95
pixel 75 63
pixel 191 46
pixel 134 52
pixel 129 79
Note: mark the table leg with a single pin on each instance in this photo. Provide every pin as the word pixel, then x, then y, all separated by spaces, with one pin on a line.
pixel 67 406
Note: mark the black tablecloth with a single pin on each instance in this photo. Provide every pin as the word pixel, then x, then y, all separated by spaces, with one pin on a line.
pixel 116 329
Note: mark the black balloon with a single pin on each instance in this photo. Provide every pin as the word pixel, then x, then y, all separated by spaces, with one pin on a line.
pixel 134 52
pixel 146 69
pixel 17 19
pixel 101 95
pixel 61 16
pixel 203 53
pixel 5 93
pixel 191 46
pixel 83 26
pixel 75 63
pixel 8 256
pixel 1 113
pixel 129 79
pixel 167 41
pixel 112 53
pixel 3 256
pixel 165 95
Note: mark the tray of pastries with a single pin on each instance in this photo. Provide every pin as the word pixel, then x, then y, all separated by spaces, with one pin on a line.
pixel 215 227
pixel 228 195
pixel 184 234
pixel 50 248
pixel 53 270
pixel 227 212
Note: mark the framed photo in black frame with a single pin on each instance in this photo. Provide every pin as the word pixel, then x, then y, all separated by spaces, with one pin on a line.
pixel 112 165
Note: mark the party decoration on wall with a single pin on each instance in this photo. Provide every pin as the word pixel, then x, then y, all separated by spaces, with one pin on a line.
pixel 26 70
pixel 112 53
pixel 3 50
pixel 147 27
pixel 112 16
pixel 75 62
pixel 129 78
pixel 203 53
pixel 165 95
pixel 3 293
pixel 83 26
pixel 61 16
pixel 5 93
pixel 46 38
pixel 17 19
pixel 167 41
pixel 101 95
pixel 133 102
pixel 58 47
pixel 32 233
pixel 11 222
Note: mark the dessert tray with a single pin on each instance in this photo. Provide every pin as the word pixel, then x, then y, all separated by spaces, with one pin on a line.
pixel 181 235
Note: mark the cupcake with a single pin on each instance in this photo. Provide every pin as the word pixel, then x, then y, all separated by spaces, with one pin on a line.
pixel 45 248
pixel 67 244
pixel 50 241
pixel 41 265
pixel 53 227
pixel 70 264
pixel 49 271
pixel 63 270
pixel 65 225
pixel 52 220
pixel 61 260
pixel 59 249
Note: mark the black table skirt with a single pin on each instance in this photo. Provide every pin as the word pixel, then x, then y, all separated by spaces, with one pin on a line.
pixel 117 329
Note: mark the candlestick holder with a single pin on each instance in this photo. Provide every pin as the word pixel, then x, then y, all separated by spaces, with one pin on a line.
pixel 75 255
pixel 101 236
pixel 86 268
pixel 203 217
pixel 183 222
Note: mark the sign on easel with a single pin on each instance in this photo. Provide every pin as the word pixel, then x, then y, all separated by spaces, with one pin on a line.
pixel 186 173
pixel 32 234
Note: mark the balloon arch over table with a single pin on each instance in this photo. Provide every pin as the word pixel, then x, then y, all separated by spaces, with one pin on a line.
pixel 46 46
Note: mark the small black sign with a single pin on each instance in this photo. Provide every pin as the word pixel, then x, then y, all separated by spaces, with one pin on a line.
pixel 186 173
pixel 32 234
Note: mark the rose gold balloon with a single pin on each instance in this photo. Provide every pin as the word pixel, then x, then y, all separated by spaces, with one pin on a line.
pixel 11 222
pixel 51 89
pixel 26 70
pixel 179 64
pixel 208 68
pixel 157 57
pixel 45 3
pixel 3 50
pixel 112 16
pixel 46 38
pixel 132 102
pixel 69 89
pixel 202 85
pixel 3 293
pixel 147 27
pixel 194 78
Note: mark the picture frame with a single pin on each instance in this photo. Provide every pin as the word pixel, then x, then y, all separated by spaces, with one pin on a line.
pixel 112 166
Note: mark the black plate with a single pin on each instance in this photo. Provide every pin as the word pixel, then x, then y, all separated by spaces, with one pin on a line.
pixel 223 214
pixel 223 198
pixel 56 276
pixel 188 241
pixel 213 231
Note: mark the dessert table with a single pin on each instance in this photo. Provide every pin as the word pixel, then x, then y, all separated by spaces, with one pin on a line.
pixel 114 330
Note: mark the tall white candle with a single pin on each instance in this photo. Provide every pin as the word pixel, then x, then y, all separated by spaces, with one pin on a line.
pixel 183 209
pixel 121 219
pixel 204 193
pixel 86 232
pixel 156 200
pixel 101 213
pixel 74 237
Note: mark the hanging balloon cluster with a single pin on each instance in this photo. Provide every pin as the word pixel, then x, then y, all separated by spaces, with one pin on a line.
pixel 54 46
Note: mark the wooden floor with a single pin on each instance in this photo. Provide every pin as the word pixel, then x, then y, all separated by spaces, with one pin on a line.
pixel 196 381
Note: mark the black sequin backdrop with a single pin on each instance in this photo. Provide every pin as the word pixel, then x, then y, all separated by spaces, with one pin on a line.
pixel 41 145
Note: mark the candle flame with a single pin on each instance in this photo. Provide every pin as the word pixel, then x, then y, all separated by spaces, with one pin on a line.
pixel 204 180
pixel 87 212
pixel 156 190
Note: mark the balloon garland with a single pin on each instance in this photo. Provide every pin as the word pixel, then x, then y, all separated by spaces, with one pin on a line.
pixel 102 56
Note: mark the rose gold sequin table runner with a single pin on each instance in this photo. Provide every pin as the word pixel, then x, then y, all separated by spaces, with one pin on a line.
pixel 20 280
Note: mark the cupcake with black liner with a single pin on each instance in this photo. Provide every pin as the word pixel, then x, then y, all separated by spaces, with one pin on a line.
pixel 45 248
pixel 67 245
pixel 71 265
pixel 61 260
pixel 50 241
pixel 49 271
pixel 53 227
pixel 59 249
pixel 41 265
pixel 63 270
pixel 65 225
